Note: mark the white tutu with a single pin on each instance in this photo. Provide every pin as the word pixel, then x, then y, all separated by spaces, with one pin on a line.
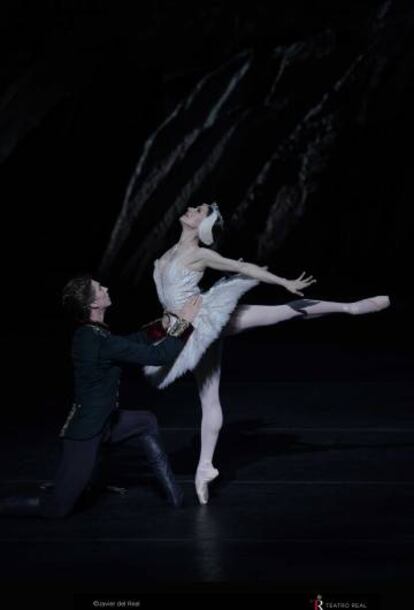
pixel 218 303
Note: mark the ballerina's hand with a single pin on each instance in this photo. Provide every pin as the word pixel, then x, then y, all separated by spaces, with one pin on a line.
pixel 302 282
pixel 191 308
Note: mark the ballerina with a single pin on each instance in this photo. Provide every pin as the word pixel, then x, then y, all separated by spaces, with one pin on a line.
pixel 177 275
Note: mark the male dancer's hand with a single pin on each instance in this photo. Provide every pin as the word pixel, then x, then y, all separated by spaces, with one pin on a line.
pixel 187 313
pixel 191 308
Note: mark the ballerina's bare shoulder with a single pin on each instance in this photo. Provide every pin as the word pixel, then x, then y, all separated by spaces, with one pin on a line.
pixel 185 257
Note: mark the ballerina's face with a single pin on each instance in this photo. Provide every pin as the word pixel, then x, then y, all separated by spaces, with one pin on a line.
pixel 194 216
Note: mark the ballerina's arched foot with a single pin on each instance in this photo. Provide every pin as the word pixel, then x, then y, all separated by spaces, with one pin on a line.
pixel 369 305
pixel 204 476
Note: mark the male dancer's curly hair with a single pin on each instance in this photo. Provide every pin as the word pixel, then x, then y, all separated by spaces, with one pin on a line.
pixel 77 296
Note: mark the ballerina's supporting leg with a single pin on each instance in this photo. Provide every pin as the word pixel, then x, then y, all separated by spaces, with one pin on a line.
pixel 207 376
pixel 208 370
pixel 251 316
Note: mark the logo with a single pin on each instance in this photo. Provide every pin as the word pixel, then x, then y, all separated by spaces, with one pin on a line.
pixel 340 602
pixel 317 604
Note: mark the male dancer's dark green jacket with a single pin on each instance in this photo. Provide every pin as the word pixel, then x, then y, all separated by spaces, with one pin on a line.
pixel 97 358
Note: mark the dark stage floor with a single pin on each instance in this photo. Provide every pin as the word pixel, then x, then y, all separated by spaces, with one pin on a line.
pixel 316 490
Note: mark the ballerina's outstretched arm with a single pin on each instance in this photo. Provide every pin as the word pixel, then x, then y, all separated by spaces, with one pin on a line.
pixel 252 316
pixel 208 258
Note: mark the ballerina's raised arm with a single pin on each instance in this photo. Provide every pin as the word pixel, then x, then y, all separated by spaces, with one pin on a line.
pixel 204 257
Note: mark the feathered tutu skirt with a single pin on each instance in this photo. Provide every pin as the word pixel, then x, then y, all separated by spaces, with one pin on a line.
pixel 218 303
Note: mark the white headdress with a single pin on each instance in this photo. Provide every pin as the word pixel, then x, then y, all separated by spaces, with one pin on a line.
pixel 205 228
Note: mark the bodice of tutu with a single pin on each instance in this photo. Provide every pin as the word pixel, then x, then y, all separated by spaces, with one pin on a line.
pixel 175 283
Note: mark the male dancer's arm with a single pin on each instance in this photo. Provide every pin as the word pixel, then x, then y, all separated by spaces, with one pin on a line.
pixel 138 350
pixel 150 333
pixel 122 350
pixel 170 324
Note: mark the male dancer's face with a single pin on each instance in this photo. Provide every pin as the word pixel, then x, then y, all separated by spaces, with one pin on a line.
pixel 101 300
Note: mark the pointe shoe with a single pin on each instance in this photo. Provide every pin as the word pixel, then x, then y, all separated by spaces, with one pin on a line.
pixel 369 305
pixel 204 476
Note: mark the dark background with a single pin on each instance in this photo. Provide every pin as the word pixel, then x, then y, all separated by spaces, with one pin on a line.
pixel 326 103
pixel 310 156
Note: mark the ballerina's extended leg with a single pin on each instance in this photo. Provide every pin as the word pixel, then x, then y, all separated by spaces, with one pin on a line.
pixel 252 316
pixel 207 375
pixel 208 370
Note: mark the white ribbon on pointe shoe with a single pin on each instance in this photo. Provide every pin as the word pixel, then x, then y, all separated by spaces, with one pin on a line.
pixel 204 476
pixel 369 305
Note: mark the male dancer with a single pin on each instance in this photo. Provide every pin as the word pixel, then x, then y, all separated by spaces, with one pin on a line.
pixel 95 417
